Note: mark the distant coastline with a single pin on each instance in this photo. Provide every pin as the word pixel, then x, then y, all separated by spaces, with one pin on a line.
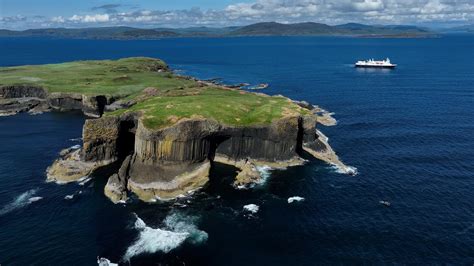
pixel 258 29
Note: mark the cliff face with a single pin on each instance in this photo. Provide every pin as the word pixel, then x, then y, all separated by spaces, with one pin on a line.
pixel 165 163
pixel 21 91
pixel 276 142
pixel 23 98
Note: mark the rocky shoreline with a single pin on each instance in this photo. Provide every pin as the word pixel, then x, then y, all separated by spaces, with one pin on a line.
pixel 165 163
pixel 35 100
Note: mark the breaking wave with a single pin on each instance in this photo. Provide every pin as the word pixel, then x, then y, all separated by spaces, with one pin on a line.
pixel 75 147
pixel 84 180
pixel 177 228
pixel 295 199
pixel 253 208
pixel 345 169
pixel 265 172
pixel 21 201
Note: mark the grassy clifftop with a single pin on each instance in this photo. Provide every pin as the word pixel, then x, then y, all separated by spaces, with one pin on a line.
pixel 230 107
pixel 111 77
pixel 161 97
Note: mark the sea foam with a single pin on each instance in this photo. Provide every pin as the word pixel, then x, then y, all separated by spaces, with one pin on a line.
pixel 21 201
pixel 295 199
pixel 75 147
pixel 253 208
pixel 348 170
pixel 177 229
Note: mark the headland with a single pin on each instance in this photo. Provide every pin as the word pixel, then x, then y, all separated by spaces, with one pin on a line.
pixel 164 130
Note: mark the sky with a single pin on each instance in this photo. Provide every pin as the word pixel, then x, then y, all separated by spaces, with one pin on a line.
pixel 25 14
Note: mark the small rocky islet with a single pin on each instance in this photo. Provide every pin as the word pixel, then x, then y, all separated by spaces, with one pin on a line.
pixel 163 129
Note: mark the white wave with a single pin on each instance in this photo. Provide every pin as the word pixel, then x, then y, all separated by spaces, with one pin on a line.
pixel 75 147
pixel 253 208
pixel 345 169
pixel 34 199
pixel 21 201
pixel 84 180
pixel 242 187
pixel 295 199
pixel 69 197
pixel 265 173
pixel 76 139
pixel 105 262
pixel 177 229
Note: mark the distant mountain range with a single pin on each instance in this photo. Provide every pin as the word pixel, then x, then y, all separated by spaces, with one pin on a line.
pixel 258 29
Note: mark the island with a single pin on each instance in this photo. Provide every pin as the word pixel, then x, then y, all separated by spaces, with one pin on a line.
pixel 164 130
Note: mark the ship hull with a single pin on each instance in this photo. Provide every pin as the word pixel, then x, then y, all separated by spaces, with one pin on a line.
pixel 371 66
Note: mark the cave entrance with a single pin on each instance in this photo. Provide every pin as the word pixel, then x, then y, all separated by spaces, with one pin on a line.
pixel 126 138
pixel 215 141
pixel 101 103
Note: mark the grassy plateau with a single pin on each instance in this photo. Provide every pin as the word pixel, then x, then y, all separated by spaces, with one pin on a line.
pixel 161 97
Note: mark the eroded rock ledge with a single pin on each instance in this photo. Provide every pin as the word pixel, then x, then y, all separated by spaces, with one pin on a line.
pixel 16 99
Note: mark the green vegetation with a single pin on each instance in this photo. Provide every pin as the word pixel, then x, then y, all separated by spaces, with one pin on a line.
pixel 230 107
pixel 160 96
pixel 108 77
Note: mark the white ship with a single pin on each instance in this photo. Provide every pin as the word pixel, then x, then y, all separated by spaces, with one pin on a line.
pixel 374 63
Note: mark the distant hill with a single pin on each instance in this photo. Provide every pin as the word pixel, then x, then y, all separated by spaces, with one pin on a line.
pixel 258 29
pixel 311 28
pixel 461 29
pixel 273 28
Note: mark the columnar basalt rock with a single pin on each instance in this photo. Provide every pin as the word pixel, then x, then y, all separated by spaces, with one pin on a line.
pixel 116 187
pixel 171 161
pixel 100 138
pixel 275 142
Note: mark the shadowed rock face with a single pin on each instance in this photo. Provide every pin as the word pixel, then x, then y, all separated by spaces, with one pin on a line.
pixel 23 98
pixel 167 162
pixel 276 142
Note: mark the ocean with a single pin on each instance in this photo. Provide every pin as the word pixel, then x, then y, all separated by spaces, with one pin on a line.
pixel 408 131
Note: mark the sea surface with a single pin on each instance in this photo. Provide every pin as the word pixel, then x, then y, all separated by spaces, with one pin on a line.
pixel 408 131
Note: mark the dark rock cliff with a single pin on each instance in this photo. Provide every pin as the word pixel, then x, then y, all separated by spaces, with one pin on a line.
pixel 22 98
pixel 167 162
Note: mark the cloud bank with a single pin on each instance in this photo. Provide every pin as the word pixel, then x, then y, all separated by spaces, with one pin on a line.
pixel 286 11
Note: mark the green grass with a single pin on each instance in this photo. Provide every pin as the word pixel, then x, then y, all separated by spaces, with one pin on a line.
pixel 110 77
pixel 170 98
pixel 230 107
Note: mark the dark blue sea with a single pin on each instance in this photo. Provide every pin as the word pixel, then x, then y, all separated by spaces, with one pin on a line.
pixel 408 131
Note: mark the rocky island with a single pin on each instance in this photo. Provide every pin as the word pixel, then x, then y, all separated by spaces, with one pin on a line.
pixel 164 130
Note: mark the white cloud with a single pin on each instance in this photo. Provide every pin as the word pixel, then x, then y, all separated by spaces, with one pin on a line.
pixel 325 11
pixel 96 18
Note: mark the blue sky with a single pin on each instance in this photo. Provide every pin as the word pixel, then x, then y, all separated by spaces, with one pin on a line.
pixel 21 14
